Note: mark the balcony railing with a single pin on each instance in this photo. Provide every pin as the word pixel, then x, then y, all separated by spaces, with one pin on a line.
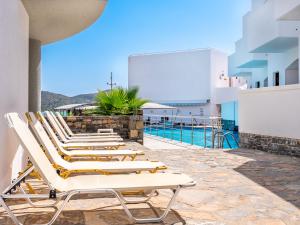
pixel 202 131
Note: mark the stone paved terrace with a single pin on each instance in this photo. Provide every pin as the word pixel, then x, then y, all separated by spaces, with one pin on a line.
pixel 239 187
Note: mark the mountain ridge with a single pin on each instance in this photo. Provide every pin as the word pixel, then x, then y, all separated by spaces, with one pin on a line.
pixel 51 100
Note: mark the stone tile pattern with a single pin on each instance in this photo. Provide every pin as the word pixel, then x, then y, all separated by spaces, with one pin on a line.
pixel 128 127
pixel 237 187
pixel 277 145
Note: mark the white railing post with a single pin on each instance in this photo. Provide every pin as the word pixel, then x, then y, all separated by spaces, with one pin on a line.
pixel 181 131
pixel 192 133
pixel 164 127
pixel 205 145
pixel 210 128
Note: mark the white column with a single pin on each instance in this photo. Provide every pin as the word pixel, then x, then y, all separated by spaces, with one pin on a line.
pixel 298 60
pixel 14 30
pixel 34 94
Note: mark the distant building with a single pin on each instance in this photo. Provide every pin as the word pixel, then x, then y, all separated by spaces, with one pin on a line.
pixel 75 109
pixel 157 109
pixel 187 80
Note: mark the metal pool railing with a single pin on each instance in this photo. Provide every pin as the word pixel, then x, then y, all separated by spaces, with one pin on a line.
pixel 195 130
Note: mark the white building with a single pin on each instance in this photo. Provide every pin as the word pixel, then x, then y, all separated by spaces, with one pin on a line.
pixel 268 55
pixel 189 80
pixel 24 27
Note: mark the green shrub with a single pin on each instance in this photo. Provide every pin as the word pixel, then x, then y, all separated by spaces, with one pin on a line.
pixel 119 101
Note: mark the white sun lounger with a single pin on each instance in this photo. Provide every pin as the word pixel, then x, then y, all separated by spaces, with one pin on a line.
pixel 66 168
pixel 45 141
pixel 71 134
pixel 92 145
pixel 66 139
pixel 63 134
pixel 65 189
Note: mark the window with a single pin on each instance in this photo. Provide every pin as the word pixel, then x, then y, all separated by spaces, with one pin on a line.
pixel 276 79
pixel 257 84
pixel 201 112
pixel 266 82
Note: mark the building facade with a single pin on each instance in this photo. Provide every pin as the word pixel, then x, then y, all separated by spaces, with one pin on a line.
pixel 25 26
pixel 268 57
pixel 187 80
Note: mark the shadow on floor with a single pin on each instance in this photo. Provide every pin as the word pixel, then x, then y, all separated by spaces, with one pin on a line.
pixel 92 217
pixel 277 173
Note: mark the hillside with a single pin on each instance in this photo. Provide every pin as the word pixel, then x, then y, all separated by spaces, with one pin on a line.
pixel 52 100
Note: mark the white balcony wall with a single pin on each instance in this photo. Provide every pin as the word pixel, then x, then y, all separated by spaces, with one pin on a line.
pixel 272 111
pixel 242 55
pixel 244 59
pixel 288 28
pixel 286 9
pixel 259 74
pixel 261 25
pixel 292 76
pixel 14 36
pixel 233 70
pixel 266 34
pixel 223 95
pixel 278 62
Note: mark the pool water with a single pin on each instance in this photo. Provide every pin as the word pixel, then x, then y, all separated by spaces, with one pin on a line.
pixel 195 137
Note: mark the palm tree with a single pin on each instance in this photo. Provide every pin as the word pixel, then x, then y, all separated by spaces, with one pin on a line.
pixel 119 101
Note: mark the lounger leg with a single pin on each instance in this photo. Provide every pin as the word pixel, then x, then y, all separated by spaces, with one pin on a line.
pixel 69 195
pixel 148 220
pixel 9 212
pixel 57 213
pixel 63 205
pixel 38 205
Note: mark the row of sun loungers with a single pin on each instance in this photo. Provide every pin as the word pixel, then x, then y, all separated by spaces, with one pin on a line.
pixel 74 164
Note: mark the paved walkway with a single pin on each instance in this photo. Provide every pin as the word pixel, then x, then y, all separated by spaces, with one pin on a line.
pixel 240 187
pixel 159 144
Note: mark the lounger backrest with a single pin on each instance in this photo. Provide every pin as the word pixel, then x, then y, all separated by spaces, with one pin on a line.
pixel 55 127
pixel 38 158
pixel 44 140
pixel 63 130
pixel 64 124
pixel 49 130
pixel 59 124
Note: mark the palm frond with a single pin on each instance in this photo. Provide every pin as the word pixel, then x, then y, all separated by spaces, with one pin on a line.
pixel 119 101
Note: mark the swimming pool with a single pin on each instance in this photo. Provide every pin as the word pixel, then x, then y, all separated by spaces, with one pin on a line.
pixel 189 136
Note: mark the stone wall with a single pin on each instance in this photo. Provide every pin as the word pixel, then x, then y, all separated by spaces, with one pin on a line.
pixel 128 127
pixel 277 145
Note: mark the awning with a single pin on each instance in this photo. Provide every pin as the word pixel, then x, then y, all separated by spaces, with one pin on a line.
pixel 70 106
pixel 152 105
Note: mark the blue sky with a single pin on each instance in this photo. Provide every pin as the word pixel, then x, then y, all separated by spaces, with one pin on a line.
pixel 82 63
